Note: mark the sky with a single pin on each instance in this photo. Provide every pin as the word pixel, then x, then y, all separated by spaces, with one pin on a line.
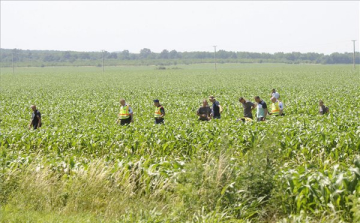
pixel 278 26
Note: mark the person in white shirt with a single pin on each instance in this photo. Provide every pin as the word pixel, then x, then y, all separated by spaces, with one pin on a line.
pixel 275 94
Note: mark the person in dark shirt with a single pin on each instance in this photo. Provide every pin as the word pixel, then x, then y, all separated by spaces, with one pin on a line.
pixel 248 107
pixel 204 112
pixel 35 121
pixel 216 108
pixel 159 112
pixel 261 109
pixel 322 108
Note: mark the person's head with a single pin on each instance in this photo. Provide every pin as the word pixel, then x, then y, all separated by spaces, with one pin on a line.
pixel 212 98
pixel 205 103
pixel 33 107
pixel 257 99
pixel 156 102
pixel 273 90
pixel 242 100
pixel 321 103
pixel 273 99
pixel 122 101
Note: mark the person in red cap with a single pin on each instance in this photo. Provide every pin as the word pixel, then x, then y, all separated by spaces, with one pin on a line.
pixel 159 112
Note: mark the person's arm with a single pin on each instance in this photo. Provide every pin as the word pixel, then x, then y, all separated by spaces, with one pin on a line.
pixel 253 106
pixel 162 110
pixel 39 123
pixel 221 109
pixel 281 106
pixel 131 114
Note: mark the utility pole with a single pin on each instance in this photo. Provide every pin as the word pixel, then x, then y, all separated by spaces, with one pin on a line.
pixel 103 61
pixel 13 60
pixel 215 56
pixel 354 53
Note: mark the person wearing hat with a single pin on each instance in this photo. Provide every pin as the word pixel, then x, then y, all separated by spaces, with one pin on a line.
pixel 216 109
pixel 159 112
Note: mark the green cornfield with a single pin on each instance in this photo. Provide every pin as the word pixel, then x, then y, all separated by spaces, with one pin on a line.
pixel 82 167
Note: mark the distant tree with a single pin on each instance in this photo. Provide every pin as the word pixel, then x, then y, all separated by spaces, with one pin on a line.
pixel 225 54
pixel 145 53
pixel 341 58
pixel 66 55
pixel 84 56
pixel 125 55
pixel 48 58
pixel 164 54
pixel 112 56
pixel 173 54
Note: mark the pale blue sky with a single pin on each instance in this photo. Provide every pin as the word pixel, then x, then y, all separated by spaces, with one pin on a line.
pixel 302 26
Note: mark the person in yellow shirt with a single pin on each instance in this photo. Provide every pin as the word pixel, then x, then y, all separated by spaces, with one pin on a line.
pixel 125 114
pixel 159 112
pixel 276 107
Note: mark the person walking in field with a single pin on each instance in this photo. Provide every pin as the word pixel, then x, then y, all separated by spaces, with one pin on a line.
pixel 248 107
pixel 159 112
pixel 261 111
pixel 322 108
pixel 216 108
pixel 125 114
pixel 277 107
pixel 274 94
pixel 204 112
pixel 35 121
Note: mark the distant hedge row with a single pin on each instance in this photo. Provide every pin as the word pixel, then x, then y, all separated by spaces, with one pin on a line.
pixel 147 57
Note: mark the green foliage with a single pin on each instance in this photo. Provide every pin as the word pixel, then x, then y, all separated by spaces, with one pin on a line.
pixel 81 166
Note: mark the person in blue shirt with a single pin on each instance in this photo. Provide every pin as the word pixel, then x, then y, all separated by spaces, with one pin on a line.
pixel 216 109
pixel 35 121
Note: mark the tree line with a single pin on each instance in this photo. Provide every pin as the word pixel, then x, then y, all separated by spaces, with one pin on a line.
pixel 165 57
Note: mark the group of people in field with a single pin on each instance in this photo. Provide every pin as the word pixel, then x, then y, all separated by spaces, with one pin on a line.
pixel 205 112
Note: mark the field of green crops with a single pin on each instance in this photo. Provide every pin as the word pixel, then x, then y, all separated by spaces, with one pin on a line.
pixel 82 167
